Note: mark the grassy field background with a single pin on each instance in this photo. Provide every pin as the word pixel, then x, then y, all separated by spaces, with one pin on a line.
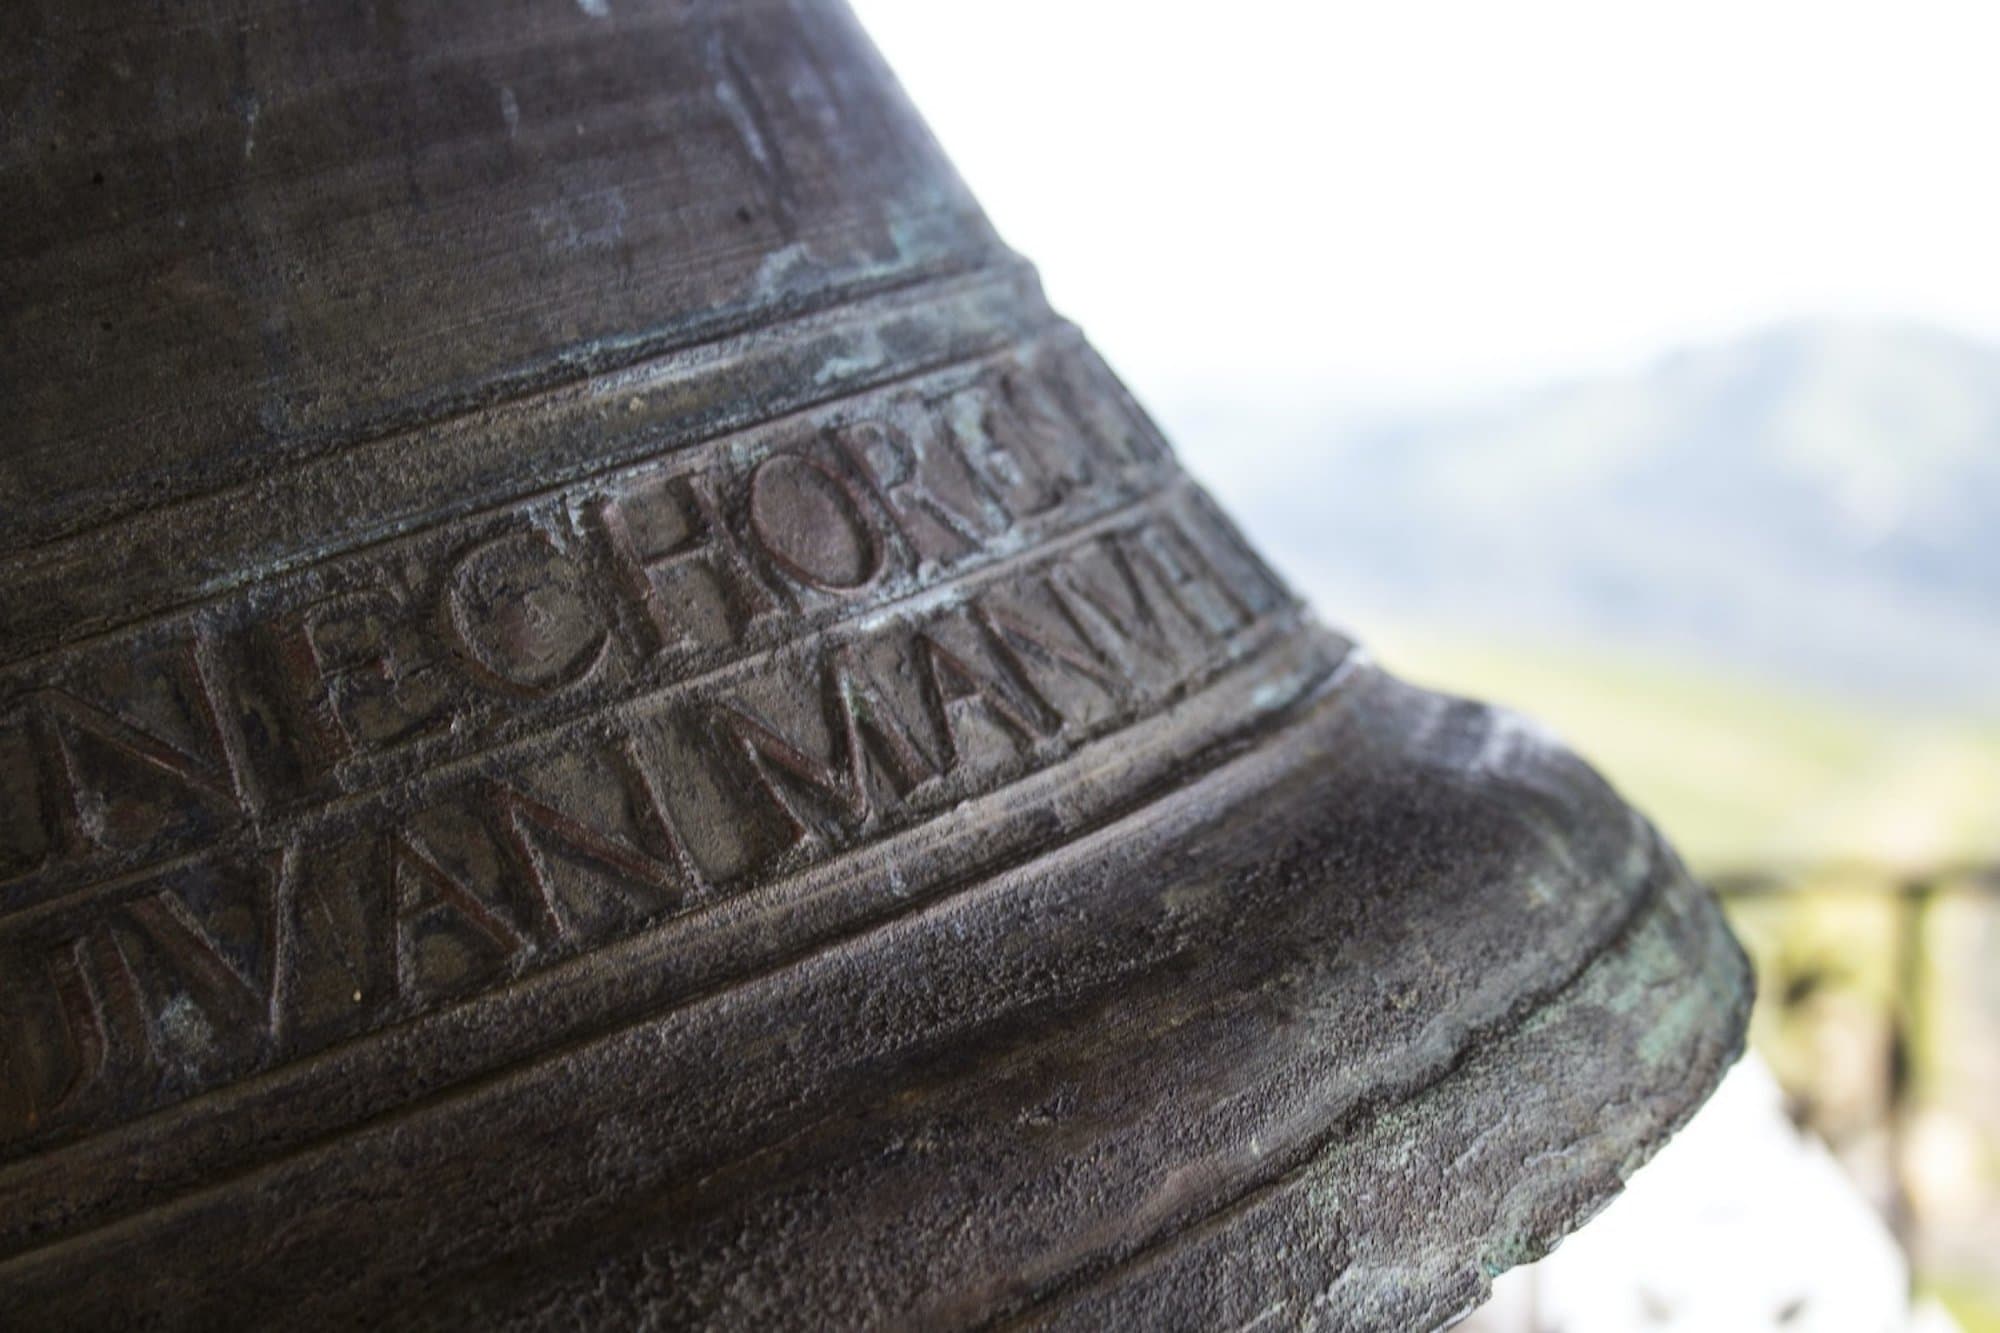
pixel 1738 773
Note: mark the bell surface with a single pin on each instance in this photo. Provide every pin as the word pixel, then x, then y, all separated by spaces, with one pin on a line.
pixel 606 722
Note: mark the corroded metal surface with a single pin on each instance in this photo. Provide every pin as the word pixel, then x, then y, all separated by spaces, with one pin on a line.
pixel 604 720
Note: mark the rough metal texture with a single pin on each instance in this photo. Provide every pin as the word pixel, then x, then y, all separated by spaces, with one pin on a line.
pixel 605 721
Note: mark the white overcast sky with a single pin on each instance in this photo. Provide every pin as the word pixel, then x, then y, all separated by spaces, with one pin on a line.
pixel 1407 197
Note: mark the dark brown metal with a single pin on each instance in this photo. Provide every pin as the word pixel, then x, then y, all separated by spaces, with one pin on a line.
pixel 605 721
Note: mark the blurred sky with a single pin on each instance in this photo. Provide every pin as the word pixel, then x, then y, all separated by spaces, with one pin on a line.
pixel 1405 198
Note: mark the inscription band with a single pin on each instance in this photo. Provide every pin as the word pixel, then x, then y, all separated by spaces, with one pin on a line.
pixel 354 793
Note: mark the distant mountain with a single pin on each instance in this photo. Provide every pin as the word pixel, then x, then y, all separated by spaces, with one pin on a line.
pixel 1818 503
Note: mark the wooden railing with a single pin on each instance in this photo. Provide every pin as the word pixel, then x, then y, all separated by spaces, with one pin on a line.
pixel 1915 895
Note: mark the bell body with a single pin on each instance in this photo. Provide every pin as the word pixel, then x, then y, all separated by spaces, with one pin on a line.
pixel 605 721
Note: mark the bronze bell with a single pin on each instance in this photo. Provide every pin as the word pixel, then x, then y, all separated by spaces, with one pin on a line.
pixel 606 722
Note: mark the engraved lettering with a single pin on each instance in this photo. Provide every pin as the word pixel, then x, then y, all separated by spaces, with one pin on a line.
pixel 357 677
pixel 100 1030
pixel 89 812
pixel 316 674
pixel 1256 589
pixel 704 542
pixel 808 520
pixel 889 465
pixel 474 740
pixel 244 1002
pixel 1126 626
pixel 450 908
pixel 1016 640
pixel 954 687
pixel 1021 420
pixel 1184 575
pixel 868 736
pixel 663 875
pixel 82 1021
pixel 520 618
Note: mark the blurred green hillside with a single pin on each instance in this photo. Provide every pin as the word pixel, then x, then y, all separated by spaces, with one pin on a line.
pixel 1739 774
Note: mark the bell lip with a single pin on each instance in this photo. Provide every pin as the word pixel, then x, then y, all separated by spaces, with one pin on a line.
pixel 1446 1283
pixel 1716 988
pixel 1359 695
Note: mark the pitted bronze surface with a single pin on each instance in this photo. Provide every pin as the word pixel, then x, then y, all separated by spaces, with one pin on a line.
pixel 604 720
